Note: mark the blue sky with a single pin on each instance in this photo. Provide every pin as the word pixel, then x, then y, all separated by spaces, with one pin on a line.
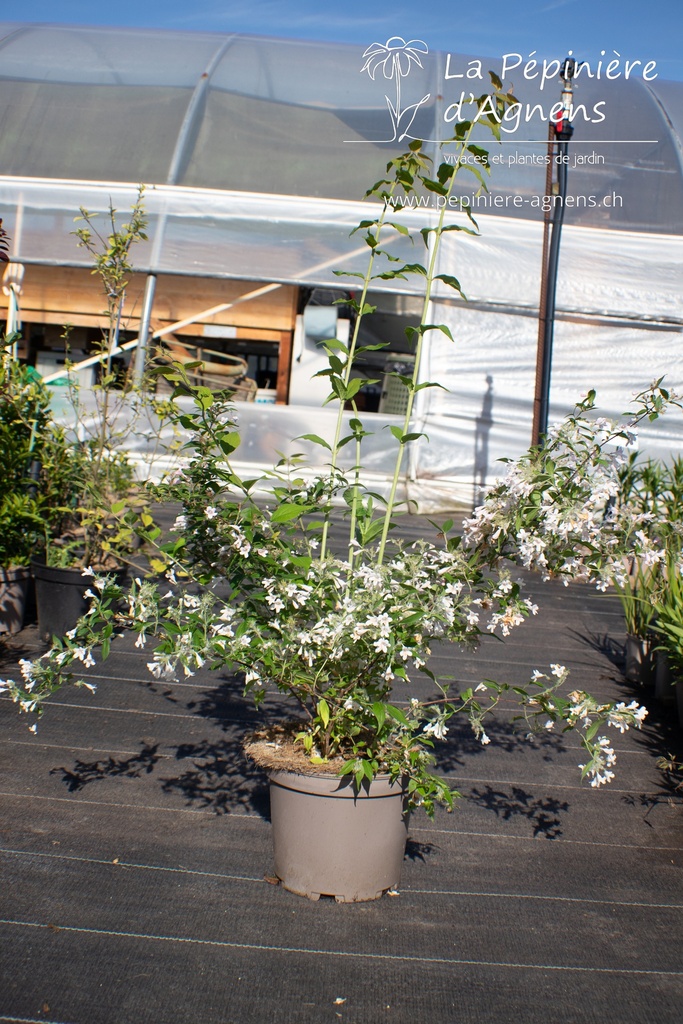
pixel 636 30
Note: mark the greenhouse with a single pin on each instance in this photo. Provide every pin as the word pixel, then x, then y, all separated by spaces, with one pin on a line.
pixel 255 154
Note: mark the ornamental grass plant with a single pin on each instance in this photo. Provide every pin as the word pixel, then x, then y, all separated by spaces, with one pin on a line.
pixel 252 586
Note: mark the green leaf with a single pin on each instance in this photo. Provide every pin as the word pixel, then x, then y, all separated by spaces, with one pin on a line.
pixel 477 174
pixel 438 327
pixel 380 713
pixel 286 512
pixel 324 711
pixel 316 439
pixel 405 438
pixel 478 151
pixel 397 714
pixel 435 186
pixel 452 282
pixel 445 172
pixel 229 442
pixel 373 530
pixel 461 227
pixel 592 730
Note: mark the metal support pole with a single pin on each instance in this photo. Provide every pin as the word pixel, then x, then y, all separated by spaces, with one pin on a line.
pixel 143 335
pixel 562 131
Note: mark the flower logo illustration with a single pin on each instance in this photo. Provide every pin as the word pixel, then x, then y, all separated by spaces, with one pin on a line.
pixel 395 58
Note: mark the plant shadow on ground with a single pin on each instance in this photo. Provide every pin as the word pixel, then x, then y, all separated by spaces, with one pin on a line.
pixel 661 737
pixel 134 767
pixel 214 774
pixel 603 644
pixel 416 851
pixel 220 778
pixel 544 813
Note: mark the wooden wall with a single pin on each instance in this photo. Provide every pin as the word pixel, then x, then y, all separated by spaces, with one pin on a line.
pixel 60 295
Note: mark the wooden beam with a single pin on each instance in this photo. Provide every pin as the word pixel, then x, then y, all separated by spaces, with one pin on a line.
pixel 61 295
pixel 283 368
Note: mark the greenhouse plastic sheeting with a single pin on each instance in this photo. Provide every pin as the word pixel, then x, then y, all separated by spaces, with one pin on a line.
pixel 243 114
pixel 255 154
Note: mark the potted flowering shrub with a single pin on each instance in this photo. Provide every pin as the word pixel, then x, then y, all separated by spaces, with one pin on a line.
pixel 341 632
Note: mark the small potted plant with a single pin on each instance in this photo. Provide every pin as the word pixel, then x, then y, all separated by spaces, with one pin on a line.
pixel 649 505
pixel 343 630
pixel 668 634
pixel 80 530
pixel 24 437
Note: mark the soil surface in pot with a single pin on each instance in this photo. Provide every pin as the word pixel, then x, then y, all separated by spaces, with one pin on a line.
pixel 274 749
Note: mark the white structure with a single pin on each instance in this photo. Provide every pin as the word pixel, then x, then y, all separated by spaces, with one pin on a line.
pixel 254 153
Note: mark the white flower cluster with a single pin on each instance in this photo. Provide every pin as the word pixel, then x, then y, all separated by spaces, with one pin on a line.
pixel 562 503
pixel 582 713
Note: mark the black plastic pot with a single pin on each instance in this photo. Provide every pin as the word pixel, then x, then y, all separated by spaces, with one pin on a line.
pixel 14 584
pixel 60 597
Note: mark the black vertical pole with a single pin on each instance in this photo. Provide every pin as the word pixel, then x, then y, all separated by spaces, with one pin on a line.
pixel 563 132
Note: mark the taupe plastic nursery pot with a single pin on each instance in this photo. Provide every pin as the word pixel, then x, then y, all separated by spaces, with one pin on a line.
pixel 14 585
pixel 330 839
